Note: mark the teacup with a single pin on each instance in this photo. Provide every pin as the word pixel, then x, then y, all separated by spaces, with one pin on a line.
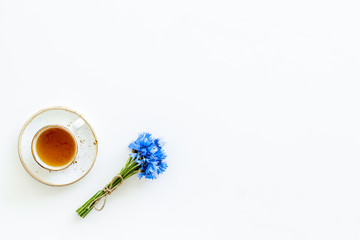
pixel 54 147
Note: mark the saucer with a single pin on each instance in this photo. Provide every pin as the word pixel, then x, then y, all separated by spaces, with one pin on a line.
pixel 85 137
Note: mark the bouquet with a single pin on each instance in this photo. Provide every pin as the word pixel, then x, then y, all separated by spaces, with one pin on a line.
pixel 146 158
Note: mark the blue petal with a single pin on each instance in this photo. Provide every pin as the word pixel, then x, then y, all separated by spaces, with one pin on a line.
pixel 148 153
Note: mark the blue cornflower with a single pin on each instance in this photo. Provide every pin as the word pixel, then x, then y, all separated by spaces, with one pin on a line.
pixel 146 158
pixel 148 153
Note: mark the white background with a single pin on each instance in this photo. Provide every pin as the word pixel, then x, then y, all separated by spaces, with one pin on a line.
pixel 258 102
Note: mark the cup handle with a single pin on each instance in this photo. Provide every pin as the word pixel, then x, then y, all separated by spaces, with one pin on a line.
pixel 75 126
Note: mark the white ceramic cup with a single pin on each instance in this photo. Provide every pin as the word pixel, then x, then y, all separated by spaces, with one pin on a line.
pixel 72 129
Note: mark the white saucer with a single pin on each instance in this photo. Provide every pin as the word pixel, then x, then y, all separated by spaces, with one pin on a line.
pixel 85 137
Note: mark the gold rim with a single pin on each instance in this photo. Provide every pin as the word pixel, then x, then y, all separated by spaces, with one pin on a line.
pixel 27 123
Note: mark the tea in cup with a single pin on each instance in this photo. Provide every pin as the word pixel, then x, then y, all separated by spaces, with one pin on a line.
pixel 54 147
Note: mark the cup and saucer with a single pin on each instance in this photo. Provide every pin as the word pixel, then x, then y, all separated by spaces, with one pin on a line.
pixel 66 136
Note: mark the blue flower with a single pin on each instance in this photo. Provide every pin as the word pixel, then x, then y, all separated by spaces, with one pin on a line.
pixel 148 153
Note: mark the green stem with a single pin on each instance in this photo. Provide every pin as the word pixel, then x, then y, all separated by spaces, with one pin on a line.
pixel 130 168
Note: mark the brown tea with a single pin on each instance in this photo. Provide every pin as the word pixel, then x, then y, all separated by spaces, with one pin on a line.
pixel 56 147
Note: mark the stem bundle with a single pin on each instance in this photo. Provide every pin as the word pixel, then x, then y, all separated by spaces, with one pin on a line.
pixel 130 168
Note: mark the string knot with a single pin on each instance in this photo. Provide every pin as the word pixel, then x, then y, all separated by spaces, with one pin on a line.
pixel 108 189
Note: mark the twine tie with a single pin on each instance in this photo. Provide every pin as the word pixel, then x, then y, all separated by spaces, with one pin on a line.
pixel 107 191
